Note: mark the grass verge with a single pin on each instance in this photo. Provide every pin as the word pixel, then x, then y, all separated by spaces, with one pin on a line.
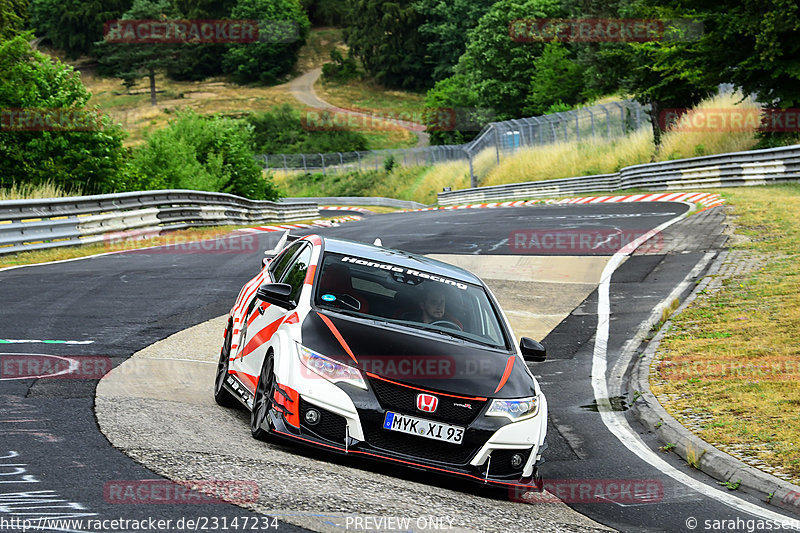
pixel 729 368
pixel 365 95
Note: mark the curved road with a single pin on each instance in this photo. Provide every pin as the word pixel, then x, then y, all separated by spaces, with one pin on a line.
pixel 118 304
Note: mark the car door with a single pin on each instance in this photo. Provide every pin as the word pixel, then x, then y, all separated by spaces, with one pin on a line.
pixel 261 320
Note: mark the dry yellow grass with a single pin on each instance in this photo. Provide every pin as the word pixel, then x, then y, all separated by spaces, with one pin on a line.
pixel 710 128
pixel 133 110
pixel 24 191
pixel 566 160
pixel 732 358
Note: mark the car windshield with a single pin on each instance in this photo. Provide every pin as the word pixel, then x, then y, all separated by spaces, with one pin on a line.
pixel 409 297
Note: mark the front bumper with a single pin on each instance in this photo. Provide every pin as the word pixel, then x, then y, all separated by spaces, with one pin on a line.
pixel 351 423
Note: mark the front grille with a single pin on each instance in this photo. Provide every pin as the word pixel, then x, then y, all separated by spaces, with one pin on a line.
pixel 330 426
pixel 404 399
pixel 428 449
pixel 501 462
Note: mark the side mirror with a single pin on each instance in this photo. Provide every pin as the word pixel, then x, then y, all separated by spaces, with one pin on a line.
pixel 532 350
pixel 276 294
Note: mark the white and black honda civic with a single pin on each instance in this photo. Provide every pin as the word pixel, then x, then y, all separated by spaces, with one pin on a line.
pixel 361 349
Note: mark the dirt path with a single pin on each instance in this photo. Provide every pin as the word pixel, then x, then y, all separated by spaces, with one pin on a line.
pixel 302 88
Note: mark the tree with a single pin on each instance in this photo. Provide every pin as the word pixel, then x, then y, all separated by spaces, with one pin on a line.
pixel 384 35
pixel 445 28
pixel 752 44
pixel 130 61
pixel 12 17
pixel 30 82
pixel 74 25
pixel 275 54
pixel 557 78
pixel 498 68
pixel 198 61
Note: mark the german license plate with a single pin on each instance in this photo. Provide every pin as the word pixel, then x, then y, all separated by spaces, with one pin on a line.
pixel 423 428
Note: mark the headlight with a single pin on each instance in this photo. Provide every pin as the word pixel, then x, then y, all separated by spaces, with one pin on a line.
pixel 329 369
pixel 515 410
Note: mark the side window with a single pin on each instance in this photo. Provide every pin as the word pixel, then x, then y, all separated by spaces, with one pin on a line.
pixel 296 274
pixel 278 265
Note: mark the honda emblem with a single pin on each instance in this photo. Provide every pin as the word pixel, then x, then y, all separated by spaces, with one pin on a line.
pixel 427 403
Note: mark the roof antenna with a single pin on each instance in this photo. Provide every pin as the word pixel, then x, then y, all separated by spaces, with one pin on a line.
pixel 377 242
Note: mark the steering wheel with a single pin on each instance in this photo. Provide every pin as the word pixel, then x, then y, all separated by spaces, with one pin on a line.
pixel 447 324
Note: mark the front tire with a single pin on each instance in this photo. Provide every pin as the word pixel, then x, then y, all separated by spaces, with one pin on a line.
pixel 222 395
pixel 262 400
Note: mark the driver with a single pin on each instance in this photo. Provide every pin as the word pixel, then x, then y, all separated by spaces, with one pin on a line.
pixel 432 305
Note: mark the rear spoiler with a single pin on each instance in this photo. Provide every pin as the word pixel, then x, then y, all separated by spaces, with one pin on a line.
pixel 284 241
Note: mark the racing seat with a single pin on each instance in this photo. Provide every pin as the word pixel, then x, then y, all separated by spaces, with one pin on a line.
pixel 336 280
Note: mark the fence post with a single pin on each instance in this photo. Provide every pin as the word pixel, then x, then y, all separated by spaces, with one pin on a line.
pixel 359 160
pixel 496 142
pixel 473 179
pixel 324 171
pixel 305 167
pixel 285 169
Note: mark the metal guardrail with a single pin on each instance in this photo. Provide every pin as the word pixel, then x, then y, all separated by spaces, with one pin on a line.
pixel 358 200
pixel 53 222
pixel 756 167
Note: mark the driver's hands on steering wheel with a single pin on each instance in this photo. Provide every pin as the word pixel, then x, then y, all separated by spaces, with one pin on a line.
pixel 447 324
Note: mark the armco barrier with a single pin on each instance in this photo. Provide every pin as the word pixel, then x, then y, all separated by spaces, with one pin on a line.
pixel 54 222
pixel 756 167
pixel 357 200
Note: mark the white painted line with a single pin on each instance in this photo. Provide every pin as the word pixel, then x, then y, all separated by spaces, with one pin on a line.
pixel 34 341
pixel 616 422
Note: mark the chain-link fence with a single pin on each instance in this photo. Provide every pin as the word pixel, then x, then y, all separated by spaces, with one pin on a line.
pixel 601 121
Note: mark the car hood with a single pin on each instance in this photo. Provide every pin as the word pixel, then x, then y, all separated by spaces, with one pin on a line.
pixel 418 358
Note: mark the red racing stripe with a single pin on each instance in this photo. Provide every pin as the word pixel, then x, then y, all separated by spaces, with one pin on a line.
pixel 338 336
pixel 506 372
pixel 261 337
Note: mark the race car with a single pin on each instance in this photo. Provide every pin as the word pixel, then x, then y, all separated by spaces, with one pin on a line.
pixel 361 349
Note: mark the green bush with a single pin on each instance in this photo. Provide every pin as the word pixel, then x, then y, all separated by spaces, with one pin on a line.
pixel 202 153
pixel 89 159
pixel 283 131
pixel 342 69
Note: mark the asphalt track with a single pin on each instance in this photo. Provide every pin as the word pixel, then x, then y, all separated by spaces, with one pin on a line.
pixel 124 302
